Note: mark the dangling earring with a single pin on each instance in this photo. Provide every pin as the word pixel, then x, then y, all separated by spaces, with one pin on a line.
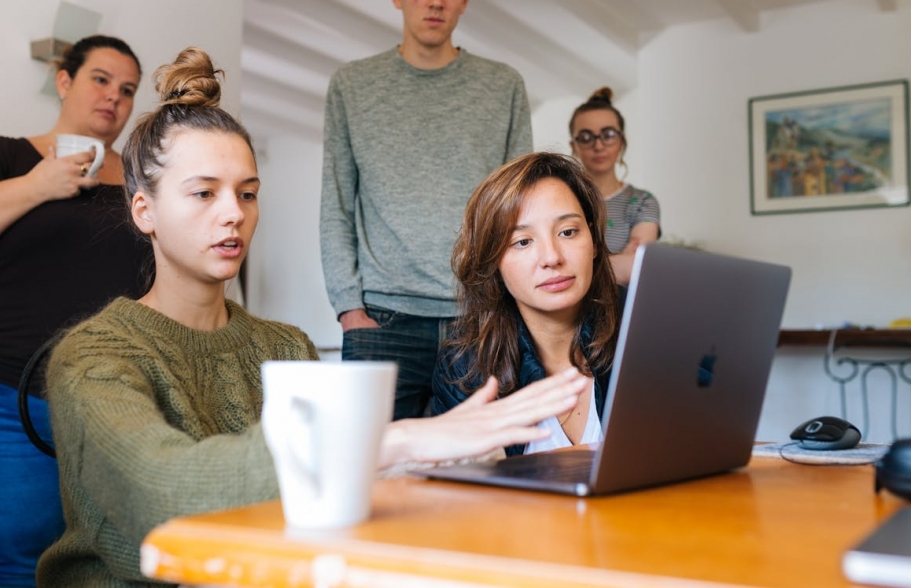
pixel 621 161
pixel 622 164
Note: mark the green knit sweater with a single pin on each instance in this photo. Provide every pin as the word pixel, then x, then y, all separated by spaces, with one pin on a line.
pixel 153 420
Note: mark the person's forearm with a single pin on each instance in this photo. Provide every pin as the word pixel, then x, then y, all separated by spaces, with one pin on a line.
pixel 17 198
pixel 395 447
pixel 642 234
pixel 622 264
pixel 631 246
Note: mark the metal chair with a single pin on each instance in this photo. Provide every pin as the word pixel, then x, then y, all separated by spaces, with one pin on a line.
pixel 36 365
pixel 851 366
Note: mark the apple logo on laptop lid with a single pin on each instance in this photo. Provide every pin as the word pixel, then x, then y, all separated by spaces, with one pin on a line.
pixel 706 374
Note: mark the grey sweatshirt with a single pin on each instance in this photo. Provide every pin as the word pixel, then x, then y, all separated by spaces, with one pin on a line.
pixel 404 148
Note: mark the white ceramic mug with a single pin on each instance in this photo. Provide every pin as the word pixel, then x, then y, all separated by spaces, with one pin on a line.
pixel 70 144
pixel 324 422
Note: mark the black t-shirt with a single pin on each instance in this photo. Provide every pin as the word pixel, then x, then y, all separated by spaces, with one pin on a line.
pixel 62 262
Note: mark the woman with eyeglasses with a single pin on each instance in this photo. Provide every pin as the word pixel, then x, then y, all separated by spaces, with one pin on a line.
pixel 633 215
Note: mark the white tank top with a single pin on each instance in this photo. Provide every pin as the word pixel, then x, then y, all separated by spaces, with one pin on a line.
pixel 558 438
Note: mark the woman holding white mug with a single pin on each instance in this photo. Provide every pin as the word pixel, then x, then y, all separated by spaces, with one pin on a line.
pixel 65 250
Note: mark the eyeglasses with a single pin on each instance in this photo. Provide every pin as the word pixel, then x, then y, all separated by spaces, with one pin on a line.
pixel 608 136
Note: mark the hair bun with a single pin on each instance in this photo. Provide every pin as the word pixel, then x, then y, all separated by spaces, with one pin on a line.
pixel 602 94
pixel 191 80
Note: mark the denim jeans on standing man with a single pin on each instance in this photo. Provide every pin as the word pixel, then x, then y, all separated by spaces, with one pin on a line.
pixel 412 342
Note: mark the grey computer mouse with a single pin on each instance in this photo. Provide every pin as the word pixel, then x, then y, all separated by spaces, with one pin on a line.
pixel 826 432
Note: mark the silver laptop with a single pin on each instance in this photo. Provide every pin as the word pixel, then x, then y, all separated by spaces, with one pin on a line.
pixel 695 348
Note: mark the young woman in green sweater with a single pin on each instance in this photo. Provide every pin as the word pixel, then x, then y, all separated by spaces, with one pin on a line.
pixel 155 403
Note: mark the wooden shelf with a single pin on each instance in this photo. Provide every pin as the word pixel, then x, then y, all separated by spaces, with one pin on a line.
pixel 856 337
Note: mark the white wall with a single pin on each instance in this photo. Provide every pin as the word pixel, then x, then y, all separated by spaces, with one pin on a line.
pixel 694 86
pixel 692 146
pixel 156 31
pixel 284 274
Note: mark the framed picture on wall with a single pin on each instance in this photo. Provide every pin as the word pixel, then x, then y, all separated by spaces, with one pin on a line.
pixel 830 149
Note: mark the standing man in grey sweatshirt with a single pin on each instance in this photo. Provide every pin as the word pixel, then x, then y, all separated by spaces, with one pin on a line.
pixel 409 134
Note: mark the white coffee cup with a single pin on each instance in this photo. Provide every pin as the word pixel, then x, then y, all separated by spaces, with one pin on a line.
pixel 70 144
pixel 324 423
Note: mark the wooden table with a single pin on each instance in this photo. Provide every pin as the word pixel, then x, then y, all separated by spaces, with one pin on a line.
pixel 771 524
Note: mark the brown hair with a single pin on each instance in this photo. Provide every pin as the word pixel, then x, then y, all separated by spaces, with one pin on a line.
pixel 489 319
pixel 189 92
pixel 599 100
pixel 74 57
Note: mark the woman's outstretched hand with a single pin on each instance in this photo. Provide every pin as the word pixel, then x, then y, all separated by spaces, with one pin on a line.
pixel 483 423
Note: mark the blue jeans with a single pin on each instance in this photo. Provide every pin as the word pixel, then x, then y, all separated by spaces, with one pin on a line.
pixel 31 515
pixel 410 341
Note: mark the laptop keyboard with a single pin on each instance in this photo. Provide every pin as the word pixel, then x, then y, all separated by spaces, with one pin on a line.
pixel 560 466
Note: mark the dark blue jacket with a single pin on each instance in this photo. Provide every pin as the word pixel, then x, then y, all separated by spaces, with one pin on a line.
pixel 448 395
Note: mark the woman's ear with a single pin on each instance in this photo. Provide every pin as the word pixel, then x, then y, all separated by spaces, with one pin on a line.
pixel 63 82
pixel 141 210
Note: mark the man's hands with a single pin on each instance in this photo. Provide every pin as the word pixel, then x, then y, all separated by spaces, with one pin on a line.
pixel 356 319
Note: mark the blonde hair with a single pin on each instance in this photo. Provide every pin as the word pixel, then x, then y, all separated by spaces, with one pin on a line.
pixel 189 92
